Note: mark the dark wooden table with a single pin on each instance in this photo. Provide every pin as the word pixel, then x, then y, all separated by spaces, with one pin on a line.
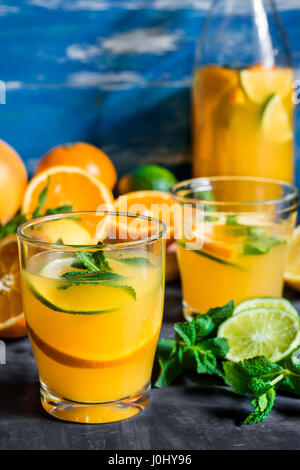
pixel 184 416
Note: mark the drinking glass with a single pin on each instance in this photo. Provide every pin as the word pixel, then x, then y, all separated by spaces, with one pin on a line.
pixel 237 245
pixel 93 290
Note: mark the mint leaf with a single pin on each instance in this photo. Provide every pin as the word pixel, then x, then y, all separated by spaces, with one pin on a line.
pixel 186 331
pixel 12 226
pixel 41 201
pixel 263 404
pixel 93 261
pixel 204 326
pixel 82 276
pixel 135 261
pixel 260 245
pixel 166 347
pixel 169 372
pixel 61 210
pixel 220 314
pixel 218 346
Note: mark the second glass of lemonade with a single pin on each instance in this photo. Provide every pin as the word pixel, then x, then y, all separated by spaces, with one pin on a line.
pixel 235 239
pixel 93 310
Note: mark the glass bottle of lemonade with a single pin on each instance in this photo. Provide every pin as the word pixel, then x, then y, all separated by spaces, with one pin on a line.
pixel 242 93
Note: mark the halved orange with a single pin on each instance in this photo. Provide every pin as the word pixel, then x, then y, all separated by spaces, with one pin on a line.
pixel 156 204
pixel 67 185
pixel 12 322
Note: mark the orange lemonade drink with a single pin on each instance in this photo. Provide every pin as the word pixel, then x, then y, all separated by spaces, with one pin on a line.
pixel 243 122
pixel 94 316
pixel 238 249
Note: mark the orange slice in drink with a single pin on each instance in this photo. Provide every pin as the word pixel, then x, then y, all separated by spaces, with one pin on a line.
pixel 156 204
pixel 206 242
pixel 67 185
pixel 12 322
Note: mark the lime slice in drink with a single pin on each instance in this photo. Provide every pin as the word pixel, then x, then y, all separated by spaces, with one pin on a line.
pixel 268 332
pixel 274 120
pixel 259 83
pixel 266 302
pixel 77 296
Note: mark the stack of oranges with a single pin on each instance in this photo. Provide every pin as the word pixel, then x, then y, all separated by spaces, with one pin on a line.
pixel 77 174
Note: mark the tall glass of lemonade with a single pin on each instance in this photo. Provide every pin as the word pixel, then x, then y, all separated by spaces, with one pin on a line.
pixel 235 240
pixel 93 290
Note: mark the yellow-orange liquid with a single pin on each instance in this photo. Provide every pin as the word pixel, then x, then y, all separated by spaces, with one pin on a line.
pixel 220 271
pixel 229 137
pixel 94 343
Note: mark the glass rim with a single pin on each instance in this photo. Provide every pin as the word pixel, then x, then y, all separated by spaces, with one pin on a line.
pixel 205 182
pixel 108 246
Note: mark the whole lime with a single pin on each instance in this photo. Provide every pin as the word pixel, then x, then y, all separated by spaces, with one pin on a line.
pixel 153 177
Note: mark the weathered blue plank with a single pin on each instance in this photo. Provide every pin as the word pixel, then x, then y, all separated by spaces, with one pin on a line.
pixel 112 72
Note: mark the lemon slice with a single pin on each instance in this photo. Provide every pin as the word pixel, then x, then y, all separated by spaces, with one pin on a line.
pixel 271 332
pixel 266 302
pixel 292 270
pixel 259 83
pixel 275 122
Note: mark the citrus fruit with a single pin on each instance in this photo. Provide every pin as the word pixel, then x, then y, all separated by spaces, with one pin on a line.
pixel 12 322
pixel 157 204
pixel 147 177
pixel 84 155
pixel 67 185
pixel 266 302
pixel 215 81
pixel 268 332
pixel 258 82
pixel 275 122
pixel 292 269
pixel 66 231
pixel 13 179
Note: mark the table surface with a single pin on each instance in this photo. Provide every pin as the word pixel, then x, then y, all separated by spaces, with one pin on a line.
pixel 184 416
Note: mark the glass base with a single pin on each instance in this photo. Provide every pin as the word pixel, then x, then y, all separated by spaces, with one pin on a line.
pixel 188 313
pixel 107 412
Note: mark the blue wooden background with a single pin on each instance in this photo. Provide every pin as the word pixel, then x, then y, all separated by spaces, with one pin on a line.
pixel 116 73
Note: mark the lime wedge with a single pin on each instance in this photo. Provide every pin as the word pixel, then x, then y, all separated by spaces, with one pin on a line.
pixel 274 121
pixel 259 83
pixel 266 302
pixel 271 332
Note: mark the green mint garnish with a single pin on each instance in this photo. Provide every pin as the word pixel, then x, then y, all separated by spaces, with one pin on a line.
pixel 93 267
pixel 257 242
pixel 261 245
pixel 197 348
pixel 135 261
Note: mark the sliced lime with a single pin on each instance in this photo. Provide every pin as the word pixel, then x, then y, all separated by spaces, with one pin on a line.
pixel 271 332
pixel 259 83
pixel 77 296
pixel 266 302
pixel 274 121
pixel 60 308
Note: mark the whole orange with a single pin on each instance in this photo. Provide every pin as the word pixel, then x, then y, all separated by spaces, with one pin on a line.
pixel 84 155
pixel 13 179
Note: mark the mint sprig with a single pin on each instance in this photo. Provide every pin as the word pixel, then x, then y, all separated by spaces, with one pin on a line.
pixel 197 348
pixel 258 242
pixel 93 267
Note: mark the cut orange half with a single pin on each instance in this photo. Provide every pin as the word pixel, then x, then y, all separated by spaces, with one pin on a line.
pixel 67 185
pixel 156 204
pixel 12 322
